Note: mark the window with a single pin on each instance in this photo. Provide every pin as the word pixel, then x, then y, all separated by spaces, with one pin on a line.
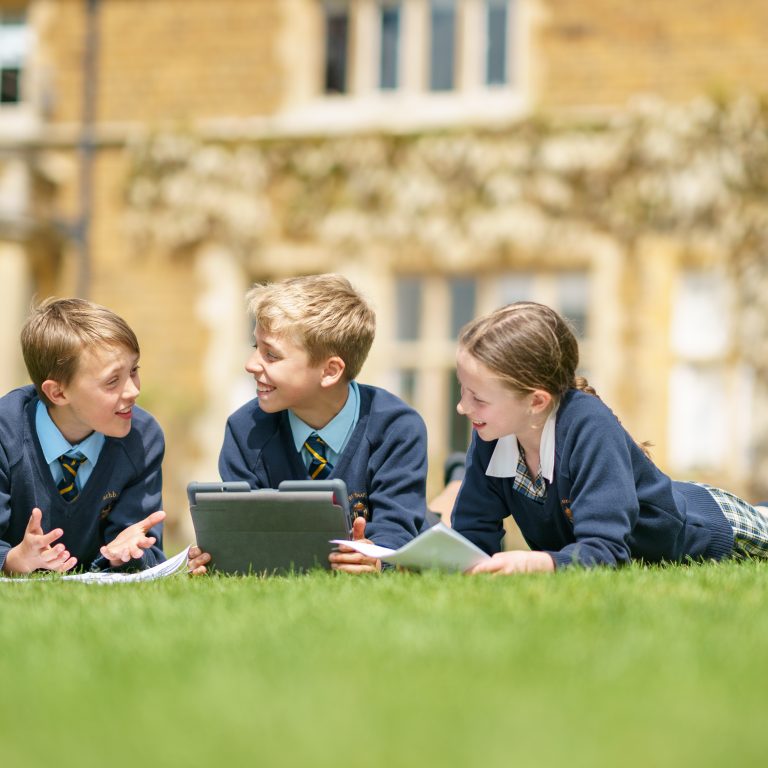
pixel 518 286
pixel 567 292
pixel 336 47
pixel 14 51
pixel 390 46
pixel 442 45
pixel 407 385
pixel 450 60
pixel 497 41
pixel 463 297
pixel 700 431
pixel 459 432
pixel 573 300
pixel 409 293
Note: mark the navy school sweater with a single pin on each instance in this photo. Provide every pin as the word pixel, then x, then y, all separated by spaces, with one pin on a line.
pixel 384 464
pixel 124 487
pixel 608 502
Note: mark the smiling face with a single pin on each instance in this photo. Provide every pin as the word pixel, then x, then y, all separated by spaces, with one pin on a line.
pixel 493 408
pixel 285 377
pixel 101 395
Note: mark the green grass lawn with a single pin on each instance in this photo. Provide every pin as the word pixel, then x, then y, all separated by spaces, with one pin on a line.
pixel 640 667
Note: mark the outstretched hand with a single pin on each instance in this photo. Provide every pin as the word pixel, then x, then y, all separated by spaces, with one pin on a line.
pixel 35 551
pixel 130 543
pixel 516 561
pixel 346 559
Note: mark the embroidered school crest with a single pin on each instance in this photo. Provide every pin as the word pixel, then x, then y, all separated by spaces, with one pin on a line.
pixel 566 505
pixel 358 506
pixel 108 499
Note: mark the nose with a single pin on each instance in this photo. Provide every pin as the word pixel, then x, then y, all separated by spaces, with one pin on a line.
pixel 132 388
pixel 461 408
pixel 254 364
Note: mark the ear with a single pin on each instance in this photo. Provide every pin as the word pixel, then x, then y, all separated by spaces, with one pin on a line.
pixel 540 401
pixel 333 370
pixel 54 391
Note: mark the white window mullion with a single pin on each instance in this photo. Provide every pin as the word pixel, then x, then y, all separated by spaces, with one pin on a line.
pixel 471 45
pixel 365 50
pixel 414 49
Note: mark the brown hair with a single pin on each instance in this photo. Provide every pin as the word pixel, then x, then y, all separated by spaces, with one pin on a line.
pixel 57 331
pixel 530 347
pixel 322 313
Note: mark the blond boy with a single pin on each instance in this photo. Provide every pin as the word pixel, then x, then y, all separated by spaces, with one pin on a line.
pixel 311 338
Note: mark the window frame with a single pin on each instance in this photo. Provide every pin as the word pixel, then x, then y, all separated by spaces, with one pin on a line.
pixel 19 22
pixel 369 103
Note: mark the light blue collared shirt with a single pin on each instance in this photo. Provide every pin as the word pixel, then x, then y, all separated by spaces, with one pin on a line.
pixel 335 434
pixel 54 444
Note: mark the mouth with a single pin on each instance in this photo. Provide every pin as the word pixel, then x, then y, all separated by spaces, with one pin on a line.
pixel 263 389
pixel 478 424
pixel 125 413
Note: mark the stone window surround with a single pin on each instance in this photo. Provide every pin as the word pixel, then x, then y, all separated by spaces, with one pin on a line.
pixel 412 106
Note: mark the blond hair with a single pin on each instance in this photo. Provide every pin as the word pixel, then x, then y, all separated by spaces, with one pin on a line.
pixel 57 331
pixel 321 313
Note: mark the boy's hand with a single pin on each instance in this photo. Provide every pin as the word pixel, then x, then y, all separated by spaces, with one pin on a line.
pixel 516 561
pixel 35 551
pixel 130 543
pixel 197 561
pixel 348 560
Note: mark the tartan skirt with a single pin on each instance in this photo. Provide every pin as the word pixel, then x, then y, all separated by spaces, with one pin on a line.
pixel 750 524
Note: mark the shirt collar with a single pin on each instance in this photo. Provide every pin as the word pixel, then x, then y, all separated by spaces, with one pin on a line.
pixel 506 454
pixel 334 433
pixel 54 444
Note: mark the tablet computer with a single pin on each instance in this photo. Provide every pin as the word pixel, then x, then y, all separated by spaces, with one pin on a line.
pixel 269 531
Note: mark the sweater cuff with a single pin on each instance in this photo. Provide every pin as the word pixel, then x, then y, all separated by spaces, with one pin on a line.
pixel 560 559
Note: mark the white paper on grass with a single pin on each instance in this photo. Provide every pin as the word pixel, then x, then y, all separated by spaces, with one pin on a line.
pixel 167 568
pixel 438 547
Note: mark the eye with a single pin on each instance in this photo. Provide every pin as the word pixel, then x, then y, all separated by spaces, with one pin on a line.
pixel 135 370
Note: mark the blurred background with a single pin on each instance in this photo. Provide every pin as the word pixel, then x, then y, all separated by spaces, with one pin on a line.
pixel 607 157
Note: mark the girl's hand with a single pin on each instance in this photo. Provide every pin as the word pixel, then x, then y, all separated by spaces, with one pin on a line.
pixel 130 543
pixel 516 561
pixel 35 552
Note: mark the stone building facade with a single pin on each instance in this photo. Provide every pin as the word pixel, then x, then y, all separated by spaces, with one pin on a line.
pixel 446 155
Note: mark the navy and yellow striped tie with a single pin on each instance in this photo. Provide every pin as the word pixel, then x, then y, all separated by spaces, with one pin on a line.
pixel 70 463
pixel 319 468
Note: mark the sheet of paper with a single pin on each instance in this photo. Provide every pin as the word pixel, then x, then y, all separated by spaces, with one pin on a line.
pixel 438 547
pixel 170 567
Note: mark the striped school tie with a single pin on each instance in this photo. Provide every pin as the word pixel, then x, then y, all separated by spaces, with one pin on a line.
pixel 70 463
pixel 319 468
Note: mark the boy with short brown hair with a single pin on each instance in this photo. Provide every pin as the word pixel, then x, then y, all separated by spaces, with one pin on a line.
pixel 80 463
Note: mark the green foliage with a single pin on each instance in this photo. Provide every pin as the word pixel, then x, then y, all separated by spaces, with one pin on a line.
pixel 644 666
